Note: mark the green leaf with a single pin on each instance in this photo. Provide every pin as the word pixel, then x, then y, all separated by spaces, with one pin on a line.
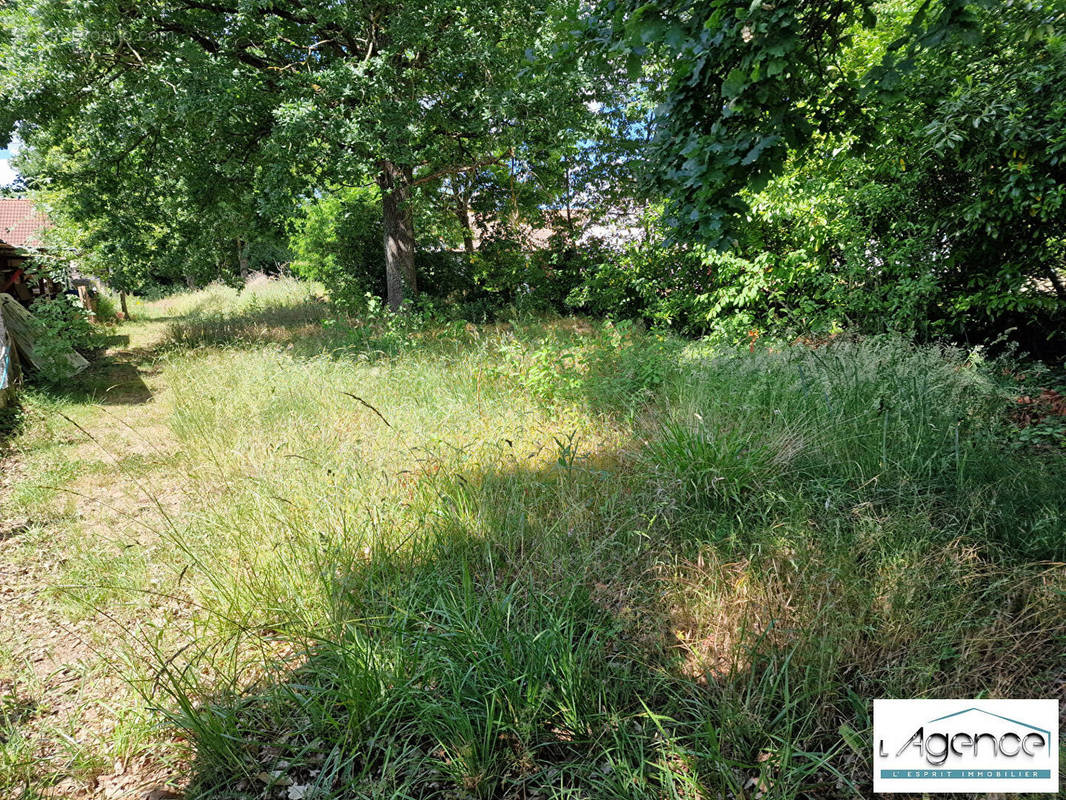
pixel 735 83
pixel 634 65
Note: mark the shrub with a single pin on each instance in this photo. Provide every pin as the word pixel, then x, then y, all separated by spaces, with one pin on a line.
pixel 660 283
pixel 61 324
pixel 444 274
pixel 626 368
pixel 337 241
pixel 106 308
pixel 507 274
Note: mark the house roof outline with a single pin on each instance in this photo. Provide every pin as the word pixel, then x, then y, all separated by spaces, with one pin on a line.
pixel 21 223
pixel 991 714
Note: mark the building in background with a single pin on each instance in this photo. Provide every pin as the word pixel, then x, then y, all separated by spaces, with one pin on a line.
pixel 21 232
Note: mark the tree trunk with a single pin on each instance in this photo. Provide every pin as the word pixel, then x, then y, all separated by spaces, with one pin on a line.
pixel 242 260
pixel 400 278
pixel 1056 283
pixel 122 304
pixel 569 213
pixel 462 211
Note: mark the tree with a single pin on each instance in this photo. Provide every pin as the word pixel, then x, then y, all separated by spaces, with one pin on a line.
pixel 745 83
pixel 901 171
pixel 289 96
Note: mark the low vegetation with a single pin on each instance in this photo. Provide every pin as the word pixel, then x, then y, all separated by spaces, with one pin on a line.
pixel 412 557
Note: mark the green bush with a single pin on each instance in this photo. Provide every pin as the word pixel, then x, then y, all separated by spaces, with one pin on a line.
pixel 444 274
pixel 662 284
pixel 626 368
pixel 508 274
pixel 60 324
pixel 921 190
pixel 337 241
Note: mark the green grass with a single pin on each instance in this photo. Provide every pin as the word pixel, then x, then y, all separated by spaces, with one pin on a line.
pixel 558 558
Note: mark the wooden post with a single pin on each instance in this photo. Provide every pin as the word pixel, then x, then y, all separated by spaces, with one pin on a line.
pixel 87 301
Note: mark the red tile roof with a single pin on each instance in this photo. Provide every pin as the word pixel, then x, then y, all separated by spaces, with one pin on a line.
pixel 20 223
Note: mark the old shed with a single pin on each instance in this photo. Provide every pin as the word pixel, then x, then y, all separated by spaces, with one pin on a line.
pixel 21 230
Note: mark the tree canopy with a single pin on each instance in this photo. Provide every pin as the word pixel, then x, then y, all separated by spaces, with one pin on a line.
pixel 246 106
pixel 798 163
pixel 896 163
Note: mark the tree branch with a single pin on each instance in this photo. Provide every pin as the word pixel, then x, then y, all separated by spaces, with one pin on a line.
pixel 488 162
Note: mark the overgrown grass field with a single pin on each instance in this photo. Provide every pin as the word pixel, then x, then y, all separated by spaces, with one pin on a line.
pixel 539 559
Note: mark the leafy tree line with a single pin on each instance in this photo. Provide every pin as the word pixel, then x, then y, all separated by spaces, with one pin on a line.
pixel 886 165
pixel 801 164
pixel 205 123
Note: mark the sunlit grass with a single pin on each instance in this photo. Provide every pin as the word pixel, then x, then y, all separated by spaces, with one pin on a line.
pixel 560 558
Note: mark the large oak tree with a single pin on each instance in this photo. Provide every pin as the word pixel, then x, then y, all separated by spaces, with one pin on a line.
pixel 242 103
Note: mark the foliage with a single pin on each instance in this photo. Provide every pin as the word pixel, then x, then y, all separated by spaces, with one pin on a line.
pixel 668 285
pixel 507 273
pixel 975 170
pixel 747 82
pixel 420 93
pixel 823 165
pixel 615 368
pixel 60 324
pixel 945 225
pixel 1041 419
pixel 449 277
pixel 107 307
pixel 336 240
pixel 849 175
pixel 557 270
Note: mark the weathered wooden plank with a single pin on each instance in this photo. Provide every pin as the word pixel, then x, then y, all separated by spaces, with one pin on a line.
pixel 7 365
pixel 19 323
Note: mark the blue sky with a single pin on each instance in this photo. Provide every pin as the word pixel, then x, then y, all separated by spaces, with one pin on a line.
pixel 7 175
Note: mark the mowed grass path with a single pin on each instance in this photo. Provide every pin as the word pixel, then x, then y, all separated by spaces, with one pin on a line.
pixel 261 552
pixel 75 532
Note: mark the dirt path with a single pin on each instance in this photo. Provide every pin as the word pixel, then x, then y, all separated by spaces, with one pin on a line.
pixel 74 512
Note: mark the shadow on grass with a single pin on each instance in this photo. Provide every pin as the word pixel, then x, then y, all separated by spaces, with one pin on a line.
pixel 496 656
pixel 558 632
pixel 113 340
pixel 299 324
pixel 117 377
pixel 111 380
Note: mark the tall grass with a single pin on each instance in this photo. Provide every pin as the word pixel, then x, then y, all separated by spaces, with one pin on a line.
pixel 561 559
